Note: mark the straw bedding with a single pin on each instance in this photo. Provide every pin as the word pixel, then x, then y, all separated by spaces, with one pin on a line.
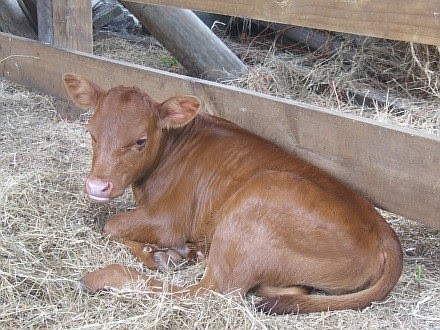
pixel 50 233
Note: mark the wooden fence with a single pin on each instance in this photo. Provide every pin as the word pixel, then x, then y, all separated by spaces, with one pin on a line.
pixel 397 168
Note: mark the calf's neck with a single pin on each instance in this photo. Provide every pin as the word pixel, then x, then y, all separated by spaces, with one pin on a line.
pixel 270 222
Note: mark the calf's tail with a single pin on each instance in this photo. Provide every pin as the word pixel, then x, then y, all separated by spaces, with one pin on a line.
pixel 301 303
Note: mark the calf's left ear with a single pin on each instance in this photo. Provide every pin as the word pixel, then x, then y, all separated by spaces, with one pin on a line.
pixel 178 111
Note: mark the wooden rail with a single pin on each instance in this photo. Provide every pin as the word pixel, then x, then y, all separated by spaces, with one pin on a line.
pixel 397 168
pixel 408 20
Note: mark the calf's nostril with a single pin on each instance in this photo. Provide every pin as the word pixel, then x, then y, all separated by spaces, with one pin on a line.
pixel 108 187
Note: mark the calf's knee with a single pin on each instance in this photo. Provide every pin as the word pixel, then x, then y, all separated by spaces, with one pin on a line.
pixel 112 230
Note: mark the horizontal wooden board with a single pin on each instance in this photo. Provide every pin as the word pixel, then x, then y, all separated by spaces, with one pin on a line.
pixel 398 169
pixel 417 21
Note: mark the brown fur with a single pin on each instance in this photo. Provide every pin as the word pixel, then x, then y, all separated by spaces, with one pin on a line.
pixel 273 223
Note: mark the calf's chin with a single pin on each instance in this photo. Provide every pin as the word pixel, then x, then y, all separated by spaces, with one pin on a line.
pixel 100 200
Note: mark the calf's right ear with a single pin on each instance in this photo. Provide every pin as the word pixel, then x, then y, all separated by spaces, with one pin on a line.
pixel 83 92
pixel 179 110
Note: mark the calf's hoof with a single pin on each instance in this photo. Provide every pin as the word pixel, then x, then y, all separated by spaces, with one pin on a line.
pixel 168 260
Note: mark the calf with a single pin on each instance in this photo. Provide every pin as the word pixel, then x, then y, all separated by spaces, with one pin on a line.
pixel 273 223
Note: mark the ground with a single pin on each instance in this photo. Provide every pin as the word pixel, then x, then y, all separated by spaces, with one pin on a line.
pixel 51 234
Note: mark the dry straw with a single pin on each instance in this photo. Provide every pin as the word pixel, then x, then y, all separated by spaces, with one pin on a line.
pixel 50 234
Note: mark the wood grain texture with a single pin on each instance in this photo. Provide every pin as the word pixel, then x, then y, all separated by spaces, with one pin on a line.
pixel 72 24
pixel 396 168
pixel 417 21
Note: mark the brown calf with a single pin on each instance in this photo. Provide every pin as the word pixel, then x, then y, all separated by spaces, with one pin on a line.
pixel 273 223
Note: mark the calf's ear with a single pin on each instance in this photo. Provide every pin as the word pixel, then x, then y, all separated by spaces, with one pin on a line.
pixel 83 92
pixel 178 111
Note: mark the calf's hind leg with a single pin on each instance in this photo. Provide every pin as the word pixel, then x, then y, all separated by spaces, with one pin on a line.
pixel 247 250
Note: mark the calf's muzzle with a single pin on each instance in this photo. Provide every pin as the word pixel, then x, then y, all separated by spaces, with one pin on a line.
pixel 98 190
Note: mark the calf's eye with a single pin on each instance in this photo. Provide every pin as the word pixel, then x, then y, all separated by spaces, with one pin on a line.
pixel 141 142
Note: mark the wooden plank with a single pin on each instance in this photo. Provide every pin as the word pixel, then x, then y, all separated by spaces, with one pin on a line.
pixel 73 27
pixel 397 168
pixel 417 21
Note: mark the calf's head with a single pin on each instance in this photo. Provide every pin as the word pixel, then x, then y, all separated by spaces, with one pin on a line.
pixel 126 130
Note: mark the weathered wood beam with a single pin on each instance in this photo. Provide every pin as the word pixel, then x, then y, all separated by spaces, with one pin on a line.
pixel 30 11
pixel 313 39
pixel 13 20
pixel 416 21
pixel 396 168
pixel 190 41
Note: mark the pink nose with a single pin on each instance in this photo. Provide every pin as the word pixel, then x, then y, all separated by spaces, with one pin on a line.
pixel 99 190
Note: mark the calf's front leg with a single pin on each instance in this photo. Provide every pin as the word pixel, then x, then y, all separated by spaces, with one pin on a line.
pixel 157 244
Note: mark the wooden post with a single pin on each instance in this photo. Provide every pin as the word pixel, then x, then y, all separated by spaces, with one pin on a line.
pixel 72 21
pixel 64 23
pixel 67 24
pixel 191 42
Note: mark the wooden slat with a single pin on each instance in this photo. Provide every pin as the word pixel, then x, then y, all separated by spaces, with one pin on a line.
pixel 72 21
pixel 397 168
pixel 407 20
